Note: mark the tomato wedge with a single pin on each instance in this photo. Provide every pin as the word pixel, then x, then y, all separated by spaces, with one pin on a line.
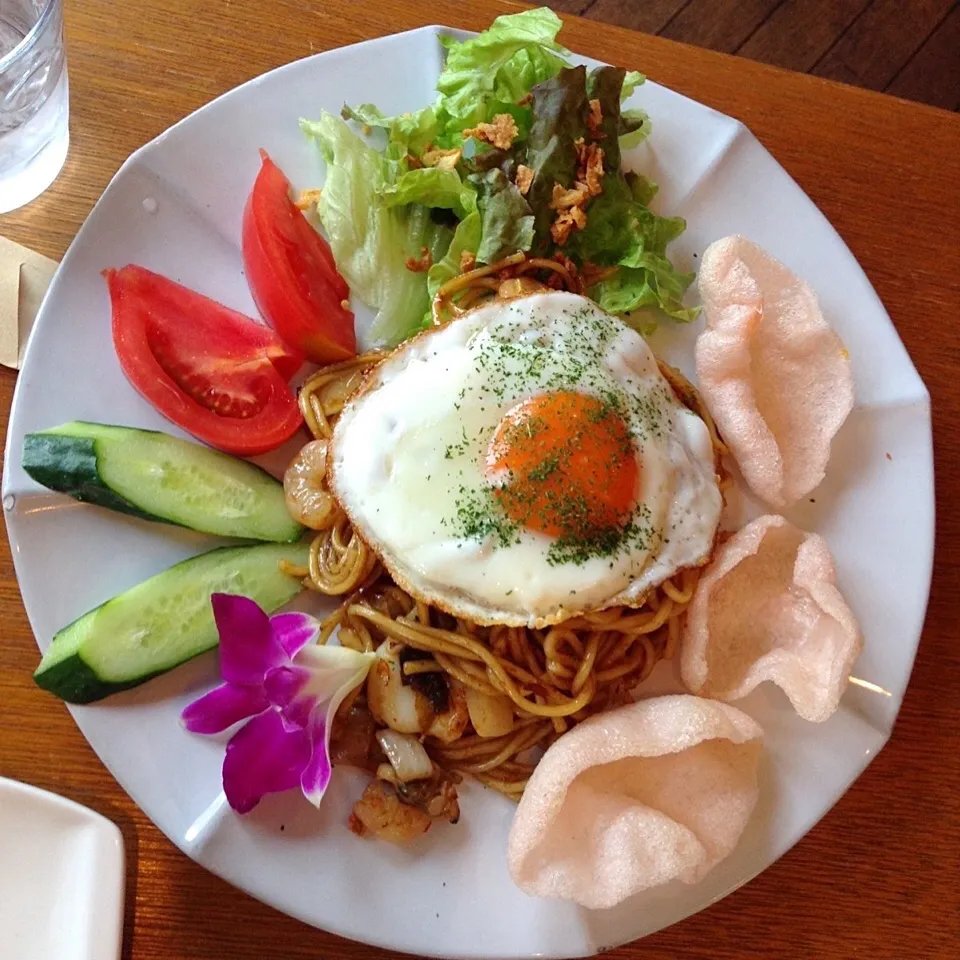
pixel 292 274
pixel 211 370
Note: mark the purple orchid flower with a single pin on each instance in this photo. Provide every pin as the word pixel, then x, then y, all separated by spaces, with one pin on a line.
pixel 287 688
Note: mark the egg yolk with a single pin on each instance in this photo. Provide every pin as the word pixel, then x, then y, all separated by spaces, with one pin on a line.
pixel 564 463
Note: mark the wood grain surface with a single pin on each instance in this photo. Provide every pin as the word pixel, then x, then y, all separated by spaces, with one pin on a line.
pixel 880 876
pixel 880 43
pixel 933 74
pixel 910 48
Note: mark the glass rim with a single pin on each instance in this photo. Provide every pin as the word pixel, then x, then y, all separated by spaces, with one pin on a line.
pixel 31 36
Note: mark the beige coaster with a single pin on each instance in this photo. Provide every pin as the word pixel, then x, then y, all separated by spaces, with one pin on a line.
pixel 24 278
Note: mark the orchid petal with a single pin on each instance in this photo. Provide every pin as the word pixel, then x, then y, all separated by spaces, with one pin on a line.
pixel 334 673
pixel 332 670
pixel 282 684
pixel 299 711
pixel 316 775
pixel 222 707
pixel 247 645
pixel 265 756
pixel 293 631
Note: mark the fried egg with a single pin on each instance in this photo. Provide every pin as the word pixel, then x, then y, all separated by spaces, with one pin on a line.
pixel 525 463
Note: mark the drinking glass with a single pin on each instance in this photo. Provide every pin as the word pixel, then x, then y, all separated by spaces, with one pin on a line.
pixel 33 99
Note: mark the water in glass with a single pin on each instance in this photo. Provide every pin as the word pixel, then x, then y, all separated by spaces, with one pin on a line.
pixel 33 99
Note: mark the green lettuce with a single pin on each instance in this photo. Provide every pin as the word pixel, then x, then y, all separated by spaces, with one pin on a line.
pixel 654 284
pixel 432 187
pixel 483 76
pixel 634 123
pixel 466 239
pixel 507 218
pixel 621 228
pixel 412 131
pixel 631 80
pixel 634 127
pixel 491 72
pixel 371 240
pixel 642 188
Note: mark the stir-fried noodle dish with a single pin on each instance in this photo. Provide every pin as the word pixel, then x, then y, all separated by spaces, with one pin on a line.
pixel 480 698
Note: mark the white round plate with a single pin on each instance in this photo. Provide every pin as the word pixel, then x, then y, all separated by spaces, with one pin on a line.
pixel 175 207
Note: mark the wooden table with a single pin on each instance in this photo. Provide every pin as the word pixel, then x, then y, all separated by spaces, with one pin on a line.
pixel 880 876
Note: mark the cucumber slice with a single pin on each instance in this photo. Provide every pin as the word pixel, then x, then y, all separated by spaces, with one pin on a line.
pixel 163 622
pixel 158 477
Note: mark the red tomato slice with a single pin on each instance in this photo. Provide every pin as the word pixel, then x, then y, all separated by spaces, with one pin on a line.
pixel 211 370
pixel 292 274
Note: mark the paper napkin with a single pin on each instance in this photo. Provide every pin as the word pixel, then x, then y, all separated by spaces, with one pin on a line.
pixel 24 278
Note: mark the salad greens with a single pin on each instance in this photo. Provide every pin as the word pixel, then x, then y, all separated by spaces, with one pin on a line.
pixel 494 71
pixel 372 240
pixel 519 152
pixel 508 221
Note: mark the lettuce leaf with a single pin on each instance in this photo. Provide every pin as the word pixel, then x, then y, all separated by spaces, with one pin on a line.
pixel 634 123
pixel 653 284
pixel 634 127
pixel 621 228
pixel 489 73
pixel 631 80
pixel 560 107
pixel 466 239
pixel 432 187
pixel 642 188
pixel 371 240
pixel 412 131
pixel 483 76
pixel 507 218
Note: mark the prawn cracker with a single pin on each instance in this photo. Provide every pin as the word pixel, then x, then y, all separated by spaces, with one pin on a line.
pixel 768 608
pixel 773 373
pixel 635 797
pixel 24 278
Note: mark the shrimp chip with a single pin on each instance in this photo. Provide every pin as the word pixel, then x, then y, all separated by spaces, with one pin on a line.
pixel 768 608
pixel 633 798
pixel 773 374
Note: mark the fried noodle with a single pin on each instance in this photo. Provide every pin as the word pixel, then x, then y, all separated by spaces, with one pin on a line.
pixel 512 276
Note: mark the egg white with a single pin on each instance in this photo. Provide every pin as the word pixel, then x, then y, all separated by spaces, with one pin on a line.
pixel 409 450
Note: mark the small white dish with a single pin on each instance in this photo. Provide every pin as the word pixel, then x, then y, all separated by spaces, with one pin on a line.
pixel 61 878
